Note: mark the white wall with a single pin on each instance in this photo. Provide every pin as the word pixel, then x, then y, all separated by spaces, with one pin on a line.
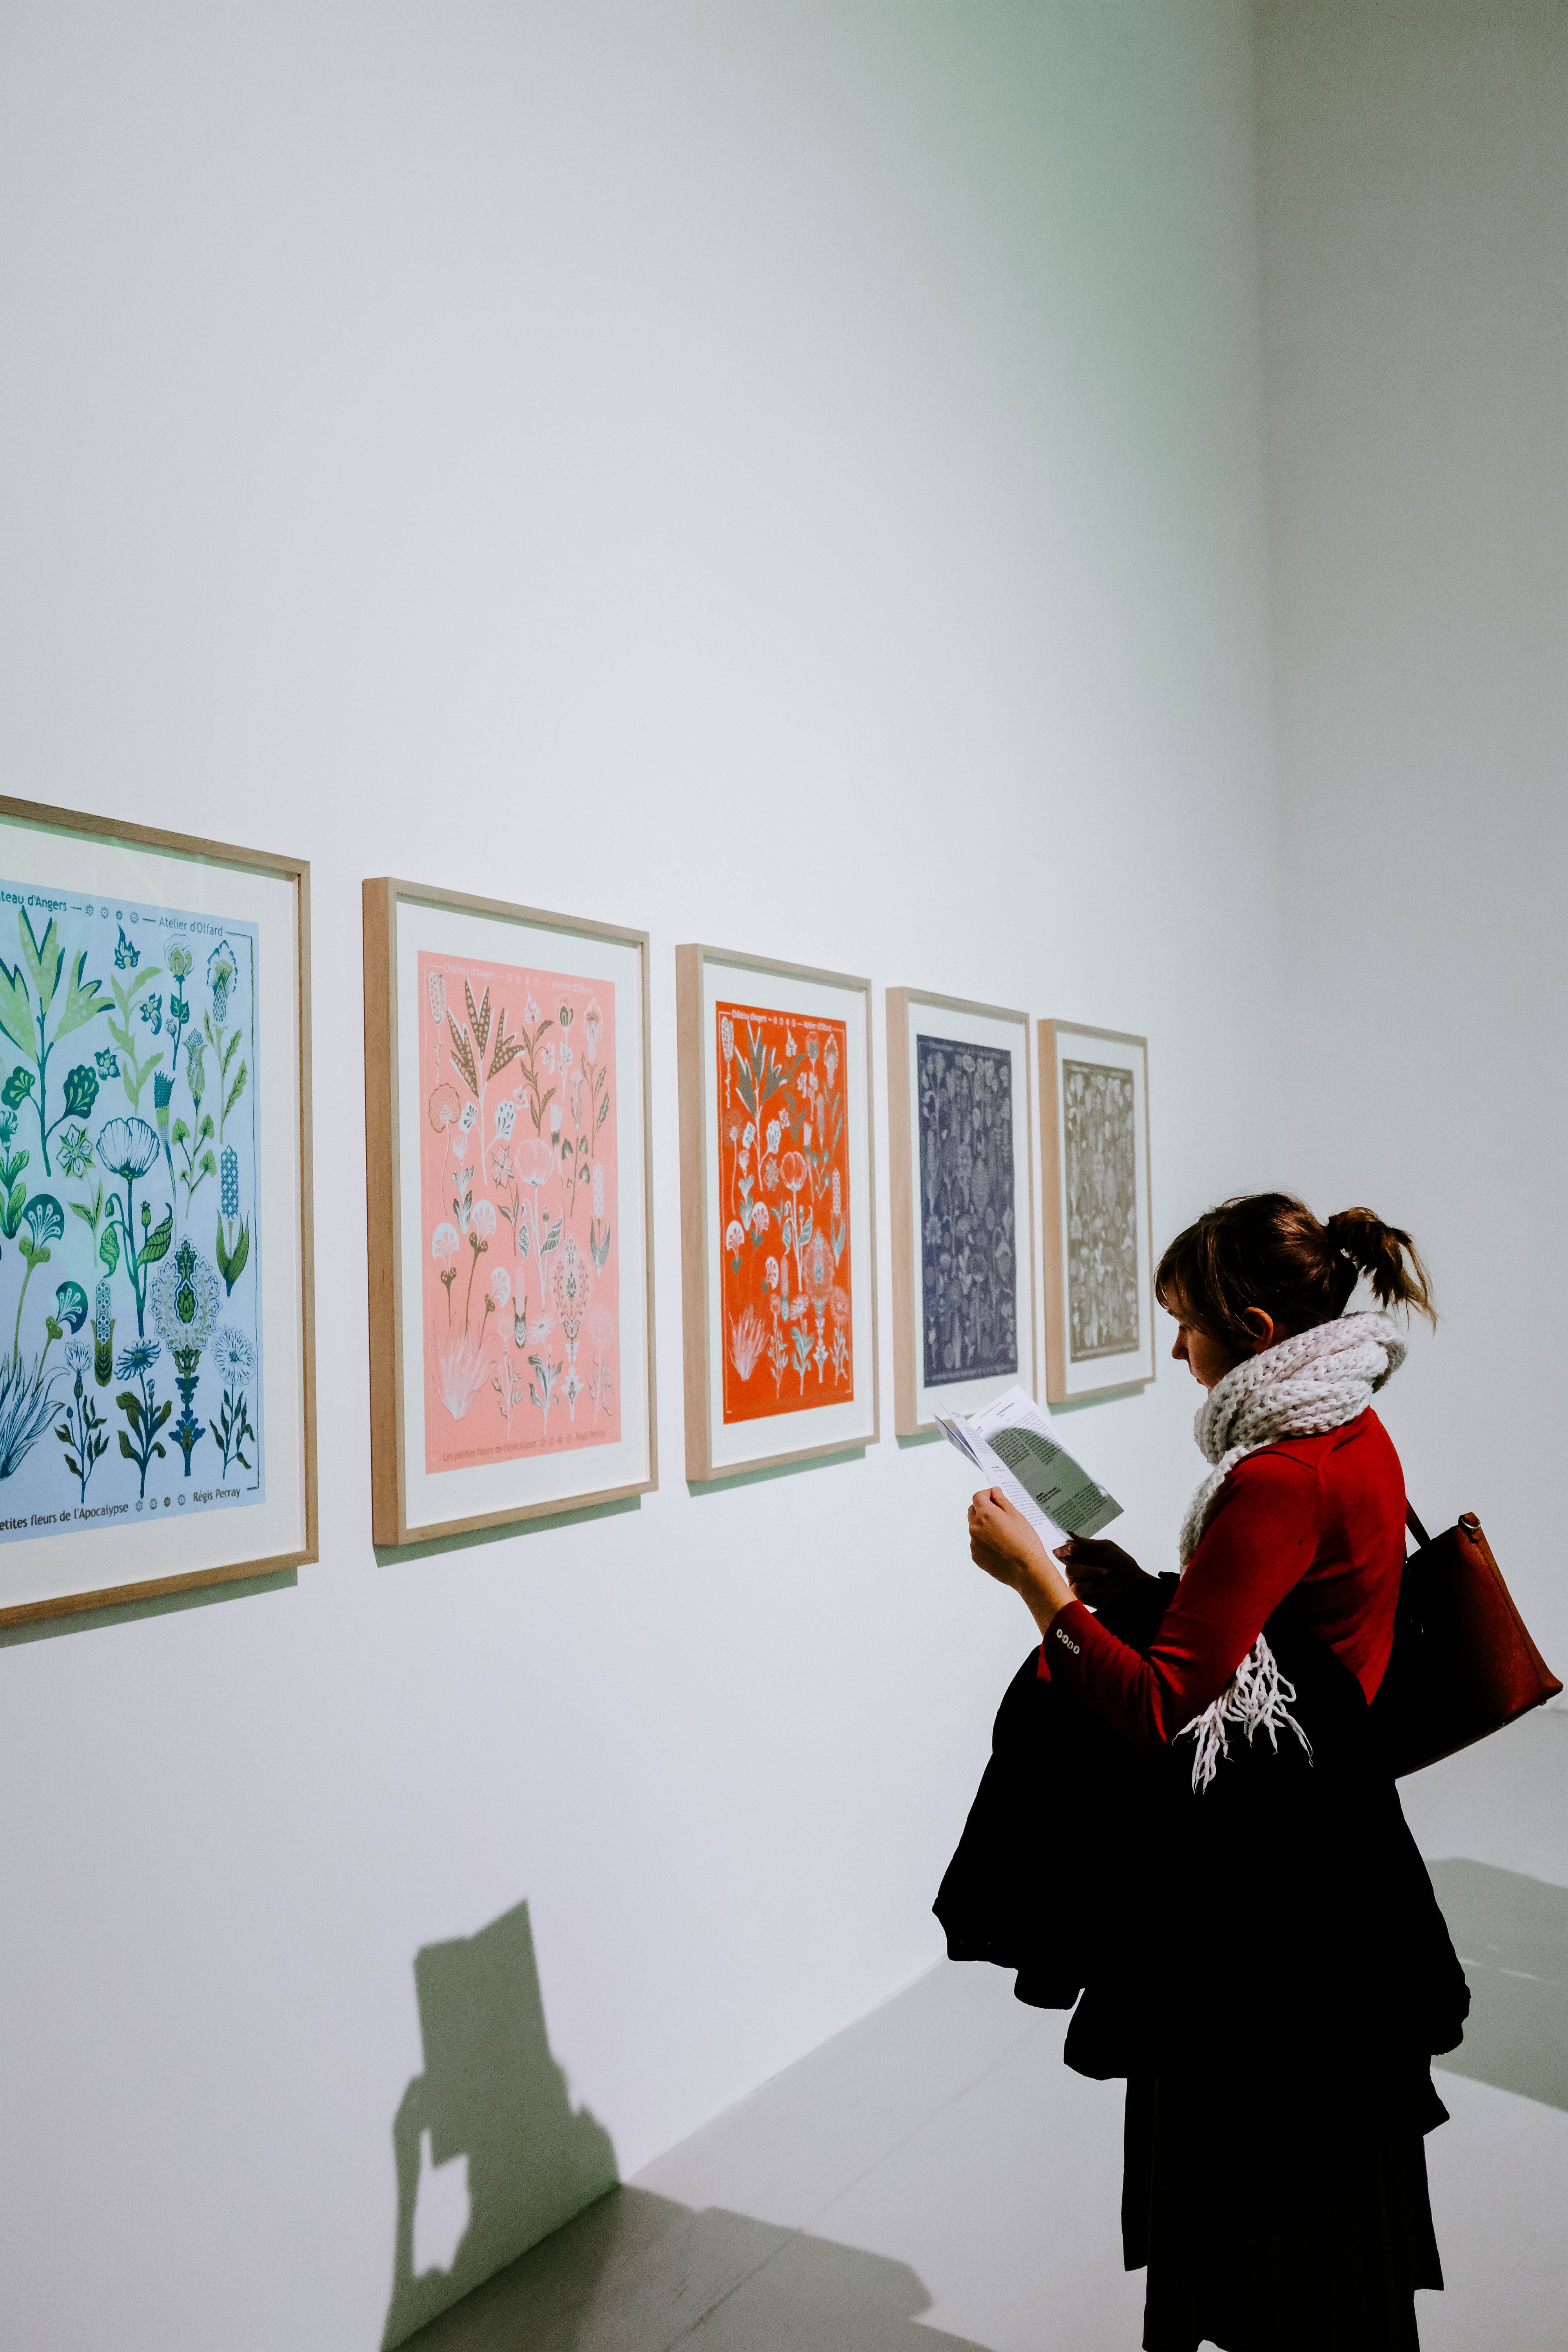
pixel 783 475
pixel 1414 170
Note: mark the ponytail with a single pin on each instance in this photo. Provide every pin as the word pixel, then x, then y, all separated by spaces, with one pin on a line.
pixel 1266 1249
pixel 1387 1256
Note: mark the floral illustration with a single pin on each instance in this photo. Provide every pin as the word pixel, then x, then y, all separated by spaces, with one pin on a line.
pixel 460 1370
pixel 38 971
pixel 234 1360
pixel 106 1232
pixel 146 1416
pixel 193 1137
pixel 784 1186
pixel 969 1236
pixel 82 1431
pixel 102 1336
pixel 132 1071
pixel 1100 1150
pixel 184 1306
pixel 521 1283
pixel 233 1248
pixel 128 1149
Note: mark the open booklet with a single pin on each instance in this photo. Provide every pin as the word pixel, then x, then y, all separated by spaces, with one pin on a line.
pixel 1010 1443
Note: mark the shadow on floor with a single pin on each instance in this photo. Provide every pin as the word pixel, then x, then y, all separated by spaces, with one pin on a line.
pixel 492 2155
pixel 1511 1933
pixel 642 2273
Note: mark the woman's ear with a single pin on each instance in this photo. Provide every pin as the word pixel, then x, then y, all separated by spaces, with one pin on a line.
pixel 1264 1330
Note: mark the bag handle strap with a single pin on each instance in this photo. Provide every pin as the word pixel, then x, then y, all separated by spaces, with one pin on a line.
pixel 1416 1528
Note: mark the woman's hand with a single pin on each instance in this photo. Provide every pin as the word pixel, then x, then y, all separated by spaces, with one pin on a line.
pixel 1096 1571
pixel 1003 1542
pixel 1001 1539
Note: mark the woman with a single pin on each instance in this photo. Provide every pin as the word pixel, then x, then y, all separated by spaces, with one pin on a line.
pixel 1227 1876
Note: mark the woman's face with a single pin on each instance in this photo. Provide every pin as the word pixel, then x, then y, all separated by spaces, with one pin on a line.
pixel 1207 1359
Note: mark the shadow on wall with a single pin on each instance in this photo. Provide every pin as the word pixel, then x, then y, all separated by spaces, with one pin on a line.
pixel 491 2155
pixel 1511 1933
pixel 641 2273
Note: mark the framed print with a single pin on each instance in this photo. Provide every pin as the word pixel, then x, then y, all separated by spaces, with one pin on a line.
pixel 1094 1129
pixel 960 1123
pixel 507 1174
pixel 157 1377
pixel 778 1241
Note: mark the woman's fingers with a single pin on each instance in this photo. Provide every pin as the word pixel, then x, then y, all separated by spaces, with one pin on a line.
pixel 992 1497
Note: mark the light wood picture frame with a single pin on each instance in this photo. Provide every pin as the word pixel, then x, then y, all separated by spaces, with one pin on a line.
pixel 160 1168
pixel 961 1163
pixel 508 1173
pixel 777 1211
pixel 1098 1234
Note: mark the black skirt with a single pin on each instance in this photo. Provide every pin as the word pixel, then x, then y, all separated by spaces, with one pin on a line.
pixel 1273 2219
pixel 1266 1966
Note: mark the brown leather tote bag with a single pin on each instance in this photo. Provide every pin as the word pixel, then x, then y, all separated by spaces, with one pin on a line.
pixel 1463 1664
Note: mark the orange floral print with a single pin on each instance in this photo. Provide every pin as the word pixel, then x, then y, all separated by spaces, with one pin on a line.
pixel 784 1187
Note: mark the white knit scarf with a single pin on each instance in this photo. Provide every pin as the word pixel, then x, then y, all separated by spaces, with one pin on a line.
pixel 1319 1379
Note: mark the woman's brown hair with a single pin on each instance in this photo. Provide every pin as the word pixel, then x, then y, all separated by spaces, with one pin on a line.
pixel 1268 1250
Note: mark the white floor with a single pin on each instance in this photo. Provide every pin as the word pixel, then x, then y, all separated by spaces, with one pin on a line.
pixel 935 2176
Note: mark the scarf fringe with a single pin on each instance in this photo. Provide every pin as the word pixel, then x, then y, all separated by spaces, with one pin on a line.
pixel 1256 1698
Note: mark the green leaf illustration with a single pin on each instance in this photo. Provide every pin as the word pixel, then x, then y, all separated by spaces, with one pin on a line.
pixel 45 1219
pixel 43 957
pixel 19 1085
pixel 81 1004
pixel 89 1217
pixel 156 1244
pixel 81 1090
pixel 231 1264
pixel 236 1090
pixel 109 1248
pixel 70 1304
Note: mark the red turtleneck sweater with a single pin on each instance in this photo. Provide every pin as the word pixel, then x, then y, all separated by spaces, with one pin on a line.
pixel 1325 1513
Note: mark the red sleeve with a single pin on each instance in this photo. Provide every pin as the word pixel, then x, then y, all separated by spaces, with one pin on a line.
pixel 1260 1542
